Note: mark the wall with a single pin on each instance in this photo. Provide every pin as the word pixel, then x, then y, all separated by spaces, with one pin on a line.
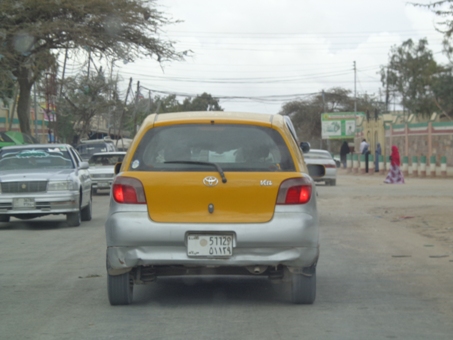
pixel 412 139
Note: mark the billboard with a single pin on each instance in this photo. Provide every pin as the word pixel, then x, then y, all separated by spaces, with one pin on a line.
pixel 339 125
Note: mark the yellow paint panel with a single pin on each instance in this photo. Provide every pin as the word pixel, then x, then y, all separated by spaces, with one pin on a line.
pixel 183 197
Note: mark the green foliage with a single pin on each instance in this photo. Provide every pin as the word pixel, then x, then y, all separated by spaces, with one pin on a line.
pixel 30 30
pixel 305 113
pixel 410 73
pixel 168 104
pixel 442 88
pixel 203 102
pixel 86 99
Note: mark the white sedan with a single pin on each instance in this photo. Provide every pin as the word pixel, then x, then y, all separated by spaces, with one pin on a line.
pixel 101 169
pixel 321 166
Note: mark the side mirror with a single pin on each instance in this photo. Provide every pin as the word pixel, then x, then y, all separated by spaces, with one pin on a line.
pixel 305 146
pixel 117 168
pixel 84 165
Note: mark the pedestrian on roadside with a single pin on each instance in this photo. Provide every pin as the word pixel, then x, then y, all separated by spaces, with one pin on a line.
pixel 395 176
pixel 344 152
pixel 377 155
pixel 366 152
pixel 363 145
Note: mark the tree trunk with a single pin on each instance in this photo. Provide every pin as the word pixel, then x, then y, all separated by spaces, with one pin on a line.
pixel 23 105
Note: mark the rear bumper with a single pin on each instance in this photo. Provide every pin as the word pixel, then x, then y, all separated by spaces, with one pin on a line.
pixel 101 184
pixel 289 239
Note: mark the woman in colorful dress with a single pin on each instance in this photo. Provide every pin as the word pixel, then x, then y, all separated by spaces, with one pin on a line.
pixel 395 176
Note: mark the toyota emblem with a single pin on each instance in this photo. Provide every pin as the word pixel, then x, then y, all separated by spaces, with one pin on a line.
pixel 210 181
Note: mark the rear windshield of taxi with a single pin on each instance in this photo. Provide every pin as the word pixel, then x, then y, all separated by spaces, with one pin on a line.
pixel 230 146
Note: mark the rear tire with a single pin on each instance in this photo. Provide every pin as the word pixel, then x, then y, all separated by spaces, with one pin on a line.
pixel 303 288
pixel 4 218
pixel 333 182
pixel 120 289
pixel 94 191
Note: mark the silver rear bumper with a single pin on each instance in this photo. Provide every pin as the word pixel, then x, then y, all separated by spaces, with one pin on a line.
pixel 289 239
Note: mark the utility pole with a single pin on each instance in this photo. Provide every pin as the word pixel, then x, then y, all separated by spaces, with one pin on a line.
pixel 36 110
pixel 64 70
pixel 137 94
pixel 124 110
pixel 89 63
pixel 355 88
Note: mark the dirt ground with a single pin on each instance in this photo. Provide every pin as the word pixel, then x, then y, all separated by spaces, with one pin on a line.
pixel 423 205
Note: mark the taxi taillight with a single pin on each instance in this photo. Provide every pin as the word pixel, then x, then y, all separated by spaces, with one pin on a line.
pixel 295 191
pixel 128 190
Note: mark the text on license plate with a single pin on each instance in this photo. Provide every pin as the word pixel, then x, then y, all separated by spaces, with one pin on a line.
pixel 210 245
pixel 23 203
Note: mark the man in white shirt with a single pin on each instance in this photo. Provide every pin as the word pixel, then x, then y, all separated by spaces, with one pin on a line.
pixel 363 145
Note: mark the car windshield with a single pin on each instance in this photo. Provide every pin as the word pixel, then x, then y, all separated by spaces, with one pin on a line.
pixel 88 149
pixel 35 159
pixel 232 147
pixel 317 155
pixel 105 160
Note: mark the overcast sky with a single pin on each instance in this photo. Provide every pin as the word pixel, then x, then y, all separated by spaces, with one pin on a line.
pixel 270 51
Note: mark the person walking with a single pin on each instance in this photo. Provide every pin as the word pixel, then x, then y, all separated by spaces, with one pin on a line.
pixel 344 150
pixel 377 155
pixel 395 176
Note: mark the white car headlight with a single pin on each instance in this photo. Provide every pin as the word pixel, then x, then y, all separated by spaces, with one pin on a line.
pixel 61 186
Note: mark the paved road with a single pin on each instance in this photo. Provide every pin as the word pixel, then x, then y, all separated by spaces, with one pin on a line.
pixel 375 281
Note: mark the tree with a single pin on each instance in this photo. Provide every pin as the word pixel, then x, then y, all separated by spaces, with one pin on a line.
pixel 31 30
pixel 203 102
pixel 410 73
pixel 306 113
pixel 86 97
pixel 442 88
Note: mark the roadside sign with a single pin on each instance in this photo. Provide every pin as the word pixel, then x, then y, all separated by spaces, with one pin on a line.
pixel 339 125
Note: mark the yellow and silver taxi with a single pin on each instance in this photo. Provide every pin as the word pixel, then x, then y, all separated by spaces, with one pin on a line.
pixel 213 193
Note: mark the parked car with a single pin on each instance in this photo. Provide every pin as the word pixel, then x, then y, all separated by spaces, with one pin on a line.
pixel 21 138
pixel 9 138
pixel 321 166
pixel 88 148
pixel 6 140
pixel 213 193
pixel 101 169
pixel 44 179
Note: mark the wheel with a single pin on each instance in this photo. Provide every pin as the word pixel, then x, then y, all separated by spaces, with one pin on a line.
pixel 74 219
pixel 4 218
pixel 303 288
pixel 333 182
pixel 120 289
pixel 94 191
pixel 86 212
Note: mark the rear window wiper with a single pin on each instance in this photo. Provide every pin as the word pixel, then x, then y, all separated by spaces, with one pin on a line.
pixel 219 169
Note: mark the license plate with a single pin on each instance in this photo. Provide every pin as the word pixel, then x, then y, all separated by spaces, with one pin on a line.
pixel 103 185
pixel 23 203
pixel 210 245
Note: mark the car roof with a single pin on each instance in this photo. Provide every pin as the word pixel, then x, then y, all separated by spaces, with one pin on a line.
pixel 223 116
pixel 319 151
pixel 30 146
pixel 94 141
pixel 112 153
